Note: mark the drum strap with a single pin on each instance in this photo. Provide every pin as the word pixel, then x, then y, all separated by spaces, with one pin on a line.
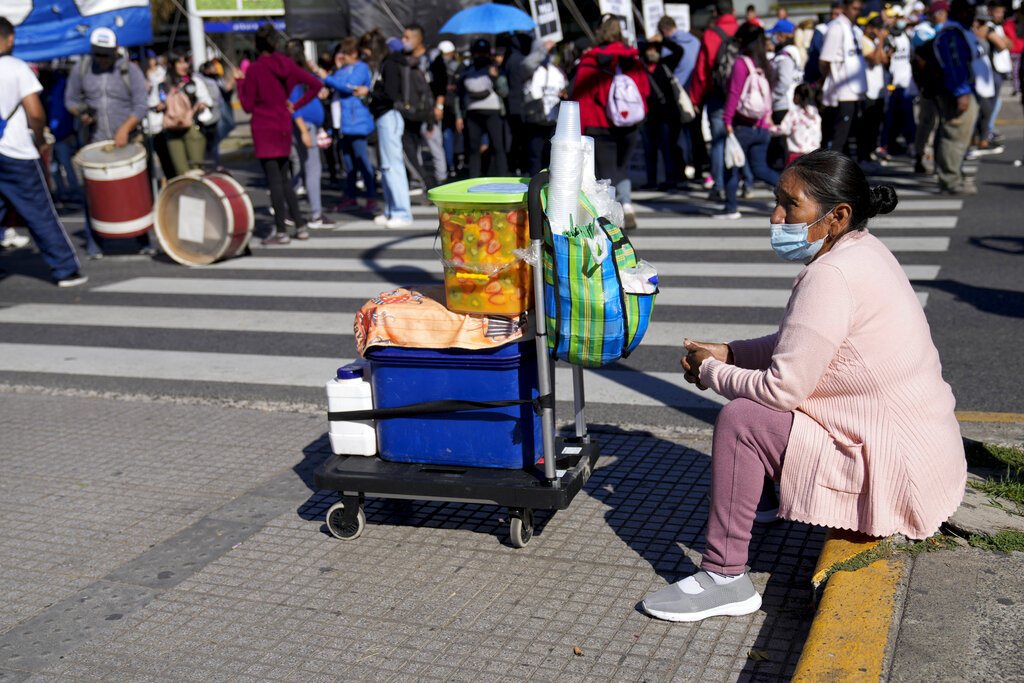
pixel 122 66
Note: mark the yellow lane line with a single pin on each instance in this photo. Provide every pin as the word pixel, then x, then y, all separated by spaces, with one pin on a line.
pixel 980 416
pixel 851 628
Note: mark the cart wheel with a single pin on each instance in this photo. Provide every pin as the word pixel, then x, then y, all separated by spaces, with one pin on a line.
pixel 520 527
pixel 339 527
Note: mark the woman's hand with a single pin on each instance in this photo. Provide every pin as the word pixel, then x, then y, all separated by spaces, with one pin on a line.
pixel 307 140
pixel 360 91
pixel 237 75
pixel 697 353
pixel 459 125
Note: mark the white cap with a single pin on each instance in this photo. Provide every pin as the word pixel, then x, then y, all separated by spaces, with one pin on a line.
pixel 446 46
pixel 103 41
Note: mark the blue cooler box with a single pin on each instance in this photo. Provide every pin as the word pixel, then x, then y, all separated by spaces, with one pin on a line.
pixel 508 438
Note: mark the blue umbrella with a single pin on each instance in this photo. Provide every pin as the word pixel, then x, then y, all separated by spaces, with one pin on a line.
pixel 489 18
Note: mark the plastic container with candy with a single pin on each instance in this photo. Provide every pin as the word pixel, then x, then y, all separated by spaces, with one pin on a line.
pixel 483 222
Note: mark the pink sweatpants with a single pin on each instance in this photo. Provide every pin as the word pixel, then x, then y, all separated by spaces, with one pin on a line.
pixel 749 445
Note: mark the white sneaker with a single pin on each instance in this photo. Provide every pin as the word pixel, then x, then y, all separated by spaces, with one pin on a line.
pixel 734 216
pixel 380 219
pixel 320 223
pixel 300 191
pixel 14 240
pixel 397 223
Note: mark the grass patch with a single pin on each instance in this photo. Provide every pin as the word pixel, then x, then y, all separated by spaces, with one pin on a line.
pixel 1009 486
pixel 887 549
pixel 1005 541
pixel 988 455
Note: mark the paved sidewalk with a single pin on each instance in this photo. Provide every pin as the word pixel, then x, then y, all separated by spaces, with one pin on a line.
pixel 157 541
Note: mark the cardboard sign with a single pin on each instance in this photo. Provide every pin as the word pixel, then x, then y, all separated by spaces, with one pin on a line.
pixel 624 10
pixel 679 12
pixel 549 24
pixel 653 11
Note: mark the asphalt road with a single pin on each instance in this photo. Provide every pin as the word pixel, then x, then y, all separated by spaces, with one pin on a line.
pixel 270 328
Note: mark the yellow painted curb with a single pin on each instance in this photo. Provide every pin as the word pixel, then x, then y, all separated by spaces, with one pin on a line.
pixel 978 416
pixel 848 638
pixel 840 545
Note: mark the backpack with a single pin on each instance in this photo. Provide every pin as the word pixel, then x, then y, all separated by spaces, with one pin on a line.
pixel 179 112
pixel 725 59
pixel 540 95
pixel 926 69
pixel 756 95
pixel 417 103
pixel 478 86
pixel 626 106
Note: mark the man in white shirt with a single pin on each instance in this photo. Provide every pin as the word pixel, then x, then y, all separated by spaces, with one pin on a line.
pixel 22 183
pixel 842 64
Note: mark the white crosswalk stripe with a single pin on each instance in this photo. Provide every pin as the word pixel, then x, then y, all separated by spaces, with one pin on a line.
pixel 719 281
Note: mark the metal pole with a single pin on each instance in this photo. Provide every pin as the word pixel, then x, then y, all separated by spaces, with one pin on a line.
pixel 545 383
pixel 196 34
pixel 578 401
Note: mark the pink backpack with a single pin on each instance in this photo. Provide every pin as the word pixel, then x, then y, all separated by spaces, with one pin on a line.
pixel 756 95
pixel 626 106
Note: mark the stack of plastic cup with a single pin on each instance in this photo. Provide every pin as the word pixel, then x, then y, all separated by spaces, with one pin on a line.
pixel 566 169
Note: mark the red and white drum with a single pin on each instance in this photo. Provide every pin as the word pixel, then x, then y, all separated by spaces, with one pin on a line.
pixel 117 188
pixel 201 218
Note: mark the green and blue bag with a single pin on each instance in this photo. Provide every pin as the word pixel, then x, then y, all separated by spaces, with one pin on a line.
pixel 591 319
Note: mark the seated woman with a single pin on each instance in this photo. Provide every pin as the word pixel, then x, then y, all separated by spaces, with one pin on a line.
pixel 844 406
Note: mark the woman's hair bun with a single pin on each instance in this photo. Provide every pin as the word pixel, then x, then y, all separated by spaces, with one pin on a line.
pixel 883 200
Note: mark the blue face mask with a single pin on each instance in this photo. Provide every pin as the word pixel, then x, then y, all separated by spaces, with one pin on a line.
pixel 789 241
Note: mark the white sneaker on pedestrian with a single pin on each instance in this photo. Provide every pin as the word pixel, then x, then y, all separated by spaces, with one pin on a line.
pixel 76 278
pixel 14 240
pixel 300 191
pixel 397 223
pixel 380 219
pixel 320 223
pixel 734 216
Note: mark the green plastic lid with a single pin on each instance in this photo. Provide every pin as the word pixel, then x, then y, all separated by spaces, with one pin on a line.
pixel 482 191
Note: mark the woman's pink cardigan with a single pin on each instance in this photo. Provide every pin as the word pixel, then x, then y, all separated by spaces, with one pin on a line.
pixel 875 446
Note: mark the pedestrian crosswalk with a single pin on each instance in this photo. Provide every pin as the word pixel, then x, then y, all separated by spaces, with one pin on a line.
pixel 282 318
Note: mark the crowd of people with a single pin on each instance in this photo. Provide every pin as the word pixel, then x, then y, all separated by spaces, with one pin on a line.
pixel 385 119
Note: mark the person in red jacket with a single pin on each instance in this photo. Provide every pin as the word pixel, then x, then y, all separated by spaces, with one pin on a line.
pixel 613 145
pixel 706 93
pixel 263 91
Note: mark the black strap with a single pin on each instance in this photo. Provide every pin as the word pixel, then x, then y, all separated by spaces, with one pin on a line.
pixel 434 407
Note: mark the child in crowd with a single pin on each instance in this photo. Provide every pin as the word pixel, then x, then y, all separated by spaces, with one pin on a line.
pixel 801 125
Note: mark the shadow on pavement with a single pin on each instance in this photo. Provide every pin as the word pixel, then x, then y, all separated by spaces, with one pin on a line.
pixel 651 493
pixel 990 300
pixel 1004 244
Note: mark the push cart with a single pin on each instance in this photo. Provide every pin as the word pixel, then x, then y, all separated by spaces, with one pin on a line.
pixel 550 485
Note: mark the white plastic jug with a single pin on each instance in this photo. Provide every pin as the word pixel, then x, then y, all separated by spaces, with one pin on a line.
pixel 350 390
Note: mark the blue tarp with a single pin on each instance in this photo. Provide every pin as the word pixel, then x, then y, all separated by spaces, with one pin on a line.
pixel 60 28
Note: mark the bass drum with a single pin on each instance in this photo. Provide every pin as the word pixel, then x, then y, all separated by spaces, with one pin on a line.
pixel 201 219
pixel 116 188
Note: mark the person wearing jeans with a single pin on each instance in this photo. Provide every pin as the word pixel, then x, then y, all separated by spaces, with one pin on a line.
pixel 356 124
pixel 385 92
pixel 397 206
pixel 752 134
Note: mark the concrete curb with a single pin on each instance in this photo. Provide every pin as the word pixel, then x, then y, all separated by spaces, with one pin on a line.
pixel 852 632
pixel 849 637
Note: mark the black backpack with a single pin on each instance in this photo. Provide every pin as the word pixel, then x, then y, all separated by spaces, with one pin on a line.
pixel 926 70
pixel 417 103
pixel 725 58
